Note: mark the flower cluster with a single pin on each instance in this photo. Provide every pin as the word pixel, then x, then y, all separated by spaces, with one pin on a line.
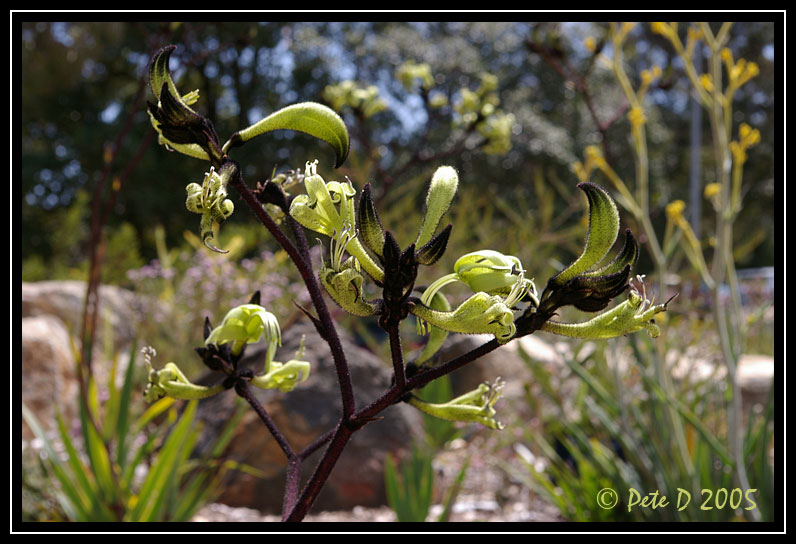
pixel 349 94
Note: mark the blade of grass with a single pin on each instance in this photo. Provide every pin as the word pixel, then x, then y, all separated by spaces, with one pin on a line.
pixel 124 409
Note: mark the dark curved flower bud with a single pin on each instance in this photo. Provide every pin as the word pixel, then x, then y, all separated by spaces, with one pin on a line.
pixel 180 128
pixel 435 248
pixel 370 228
pixel 603 230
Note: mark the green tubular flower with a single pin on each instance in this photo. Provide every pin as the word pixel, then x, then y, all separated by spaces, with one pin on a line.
pixel 436 336
pixel 489 272
pixel 479 314
pixel 632 315
pixel 284 376
pixel 171 382
pixel 210 200
pixel 476 406
pixel 318 211
pixel 586 283
pixel 245 324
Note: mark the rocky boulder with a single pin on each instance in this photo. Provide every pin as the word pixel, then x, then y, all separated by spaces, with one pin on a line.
pixel 48 371
pixel 51 320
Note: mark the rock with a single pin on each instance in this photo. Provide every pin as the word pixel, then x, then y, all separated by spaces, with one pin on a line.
pixel 65 299
pixel 506 361
pixel 119 314
pixel 304 414
pixel 48 371
pixel 755 376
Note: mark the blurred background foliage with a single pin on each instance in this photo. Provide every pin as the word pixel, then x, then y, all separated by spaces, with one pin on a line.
pixel 512 106
pixel 82 82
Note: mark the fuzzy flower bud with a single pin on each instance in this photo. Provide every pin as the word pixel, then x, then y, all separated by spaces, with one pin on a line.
pixel 441 191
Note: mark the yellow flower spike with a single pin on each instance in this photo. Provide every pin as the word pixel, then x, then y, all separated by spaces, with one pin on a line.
pixel 590 43
pixel 661 28
pixel 753 139
pixel 657 71
pixel 713 189
pixel 674 209
pixel 580 171
pixel 738 152
pixel 593 153
pixel 636 116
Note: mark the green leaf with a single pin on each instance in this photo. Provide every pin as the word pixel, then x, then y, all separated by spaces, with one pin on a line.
pixel 153 411
pixel 453 492
pixel 69 499
pixel 122 422
pixel 307 117
pixel 86 492
pixel 98 456
pixel 154 486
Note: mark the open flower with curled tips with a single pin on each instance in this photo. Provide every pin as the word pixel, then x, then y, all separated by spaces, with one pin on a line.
pixel 632 315
pixel 343 280
pixel 210 200
pixel 327 208
pixel 284 376
pixel 171 382
pixel 246 324
pixel 476 406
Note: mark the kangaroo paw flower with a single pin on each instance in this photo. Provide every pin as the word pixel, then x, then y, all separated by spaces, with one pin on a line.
pixel 476 406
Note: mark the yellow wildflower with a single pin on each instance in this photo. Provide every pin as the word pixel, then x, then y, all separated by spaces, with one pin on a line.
pixel 674 211
pixel 712 189
pixel 707 82
pixel 636 116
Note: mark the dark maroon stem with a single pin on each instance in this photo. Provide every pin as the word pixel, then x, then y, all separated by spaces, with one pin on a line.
pixel 329 332
pixel 243 390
